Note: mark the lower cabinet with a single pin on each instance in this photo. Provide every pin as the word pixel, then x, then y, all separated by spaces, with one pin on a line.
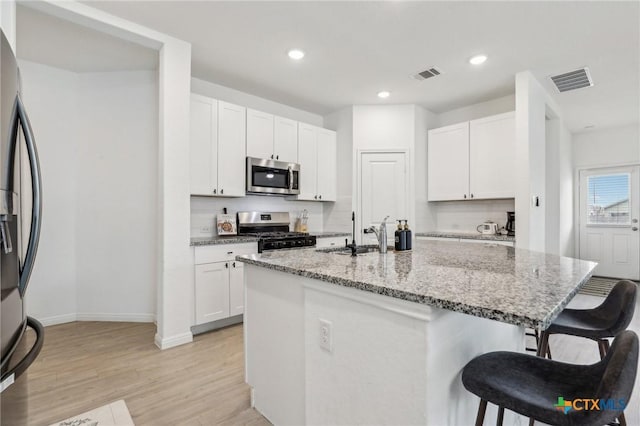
pixel 219 282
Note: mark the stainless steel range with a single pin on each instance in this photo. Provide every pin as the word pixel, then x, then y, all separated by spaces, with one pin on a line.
pixel 272 230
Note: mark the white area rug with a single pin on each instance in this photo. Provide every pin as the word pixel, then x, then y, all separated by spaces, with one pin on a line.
pixel 114 414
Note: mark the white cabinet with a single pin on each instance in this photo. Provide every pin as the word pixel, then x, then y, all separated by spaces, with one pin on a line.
pixel 492 157
pixel 217 145
pixel 219 281
pixel 472 160
pixel 332 242
pixel 448 163
pixel 259 134
pixel 317 157
pixel 203 145
pixel 285 140
pixel 271 137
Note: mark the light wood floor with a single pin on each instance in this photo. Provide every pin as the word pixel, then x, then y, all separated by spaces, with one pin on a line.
pixel 85 365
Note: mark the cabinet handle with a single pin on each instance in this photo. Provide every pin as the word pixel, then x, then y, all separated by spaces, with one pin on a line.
pixel 320 197
pixel 229 252
pixel 215 191
pixel 471 195
pixel 277 157
pixel 465 195
pixel 234 264
pixel 222 191
pixel 226 265
pixel 272 156
pixel 315 197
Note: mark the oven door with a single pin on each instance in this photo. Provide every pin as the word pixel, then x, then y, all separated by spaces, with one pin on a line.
pixel 272 177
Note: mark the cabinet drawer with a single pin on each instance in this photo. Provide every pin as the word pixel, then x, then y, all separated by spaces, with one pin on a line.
pixel 331 242
pixel 223 252
pixel 437 239
pixel 500 243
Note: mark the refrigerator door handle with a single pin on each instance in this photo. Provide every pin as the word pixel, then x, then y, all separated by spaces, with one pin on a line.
pixel 36 194
pixel 12 375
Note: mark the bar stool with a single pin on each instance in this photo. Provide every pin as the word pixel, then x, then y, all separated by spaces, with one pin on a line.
pixel 531 385
pixel 600 323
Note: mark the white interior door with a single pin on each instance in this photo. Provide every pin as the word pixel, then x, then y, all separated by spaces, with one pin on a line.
pixel 609 207
pixel 383 191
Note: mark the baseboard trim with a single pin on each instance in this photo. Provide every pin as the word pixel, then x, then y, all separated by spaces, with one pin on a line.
pixel 58 319
pixel 170 342
pixel 85 316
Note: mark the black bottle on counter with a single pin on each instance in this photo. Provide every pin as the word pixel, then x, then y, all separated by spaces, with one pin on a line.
pixel 407 235
pixel 401 241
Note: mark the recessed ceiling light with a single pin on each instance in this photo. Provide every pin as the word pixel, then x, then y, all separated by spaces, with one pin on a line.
pixel 478 59
pixel 384 94
pixel 296 54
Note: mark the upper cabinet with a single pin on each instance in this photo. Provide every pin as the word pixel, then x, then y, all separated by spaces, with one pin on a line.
pixel 217 145
pixel 271 137
pixel 317 158
pixel 472 160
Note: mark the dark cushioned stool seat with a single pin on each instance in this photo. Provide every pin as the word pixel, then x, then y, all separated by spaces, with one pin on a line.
pixel 531 385
pixel 601 322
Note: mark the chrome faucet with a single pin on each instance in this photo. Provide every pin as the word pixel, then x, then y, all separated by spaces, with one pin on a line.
pixel 381 234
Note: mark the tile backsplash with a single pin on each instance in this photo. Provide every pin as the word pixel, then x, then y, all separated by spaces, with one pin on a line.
pixel 205 209
pixel 465 216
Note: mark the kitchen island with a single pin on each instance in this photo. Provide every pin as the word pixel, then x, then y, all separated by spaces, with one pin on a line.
pixel 382 338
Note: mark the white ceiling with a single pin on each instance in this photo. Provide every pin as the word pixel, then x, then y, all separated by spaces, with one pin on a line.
pixel 355 49
pixel 55 42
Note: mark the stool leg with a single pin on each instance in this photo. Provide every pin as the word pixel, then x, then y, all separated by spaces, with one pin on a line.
pixel 622 420
pixel 544 345
pixel 531 421
pixel 482 409
pixel 500 416
pixel 602 349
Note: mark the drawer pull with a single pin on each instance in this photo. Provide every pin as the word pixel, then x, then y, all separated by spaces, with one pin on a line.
pixel 229 252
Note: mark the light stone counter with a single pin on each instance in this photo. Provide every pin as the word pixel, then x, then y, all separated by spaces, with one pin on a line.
pixel 515 286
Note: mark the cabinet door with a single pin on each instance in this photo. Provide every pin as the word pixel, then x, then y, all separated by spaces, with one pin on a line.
pixel 259 134
pixel 236 288
pixel 448 163
pixel 203 140
pixel 307 157
pixel 286 140
pixel 231 150
pixel 212 292
pixel 492 157
pixel 332 242
pixel 327 165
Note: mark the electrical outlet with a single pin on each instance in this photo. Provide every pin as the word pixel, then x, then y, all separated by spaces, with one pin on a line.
pixel 326 340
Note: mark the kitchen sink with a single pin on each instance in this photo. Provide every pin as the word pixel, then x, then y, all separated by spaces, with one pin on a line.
pixel 372 248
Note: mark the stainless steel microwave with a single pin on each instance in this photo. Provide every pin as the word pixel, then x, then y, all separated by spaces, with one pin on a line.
pixel 272 177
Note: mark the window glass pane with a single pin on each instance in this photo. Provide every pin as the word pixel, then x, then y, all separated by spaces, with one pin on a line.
pixel 608 199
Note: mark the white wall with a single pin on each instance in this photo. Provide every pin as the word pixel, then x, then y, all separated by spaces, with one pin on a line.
pixel 205 209
pixel 559 189
pixel 425 211
pixel 479 110
pixel 116 195
pixel 50 95
pixel 233 96
pixel 97 140
pixel 465 216
pixel 337 215
pixel 607 147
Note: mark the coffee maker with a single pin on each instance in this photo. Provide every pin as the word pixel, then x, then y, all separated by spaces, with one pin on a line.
pixel 511 224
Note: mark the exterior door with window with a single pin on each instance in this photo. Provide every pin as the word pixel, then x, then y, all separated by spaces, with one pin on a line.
pixel 609 207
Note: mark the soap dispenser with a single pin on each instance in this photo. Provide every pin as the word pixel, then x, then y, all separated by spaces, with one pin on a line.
pixel 407 235
pixel 401 242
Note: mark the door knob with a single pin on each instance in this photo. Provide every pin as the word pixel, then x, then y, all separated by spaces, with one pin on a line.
pixel 635 228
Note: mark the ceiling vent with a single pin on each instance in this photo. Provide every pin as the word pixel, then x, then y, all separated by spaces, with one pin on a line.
pixel 428 73
pixel 572 80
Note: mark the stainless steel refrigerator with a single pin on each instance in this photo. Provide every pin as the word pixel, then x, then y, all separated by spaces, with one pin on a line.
pixel 16 260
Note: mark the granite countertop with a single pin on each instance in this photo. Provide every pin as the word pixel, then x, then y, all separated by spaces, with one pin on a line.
pixel 466 235
pixel 502 283
pixel 235 239
pixel 216 239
